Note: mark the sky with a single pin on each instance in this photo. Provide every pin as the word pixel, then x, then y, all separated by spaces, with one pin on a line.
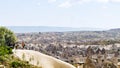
pixel 61 13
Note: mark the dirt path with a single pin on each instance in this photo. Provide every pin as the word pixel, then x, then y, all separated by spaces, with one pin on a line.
pixel 39 59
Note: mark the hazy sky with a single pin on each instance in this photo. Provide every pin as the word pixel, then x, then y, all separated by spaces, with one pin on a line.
pixel 62 13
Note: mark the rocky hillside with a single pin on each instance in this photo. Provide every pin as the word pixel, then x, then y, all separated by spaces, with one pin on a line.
pixel 69 37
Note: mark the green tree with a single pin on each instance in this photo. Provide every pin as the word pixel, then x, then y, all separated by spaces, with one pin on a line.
pixel 7 37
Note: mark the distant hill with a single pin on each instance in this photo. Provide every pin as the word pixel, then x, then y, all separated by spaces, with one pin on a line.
pixel 81 36
pixel 117 29
pixel 67 33
pixel 22 29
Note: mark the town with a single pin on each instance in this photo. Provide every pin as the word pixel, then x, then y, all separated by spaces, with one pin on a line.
pixel 69 48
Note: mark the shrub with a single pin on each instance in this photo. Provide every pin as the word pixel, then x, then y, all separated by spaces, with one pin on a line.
pixel 15 64
pixel 5 50
pixel 19 64
pixel 2 60
pixel 7 37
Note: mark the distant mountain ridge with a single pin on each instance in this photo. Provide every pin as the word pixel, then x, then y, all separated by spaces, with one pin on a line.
pixel 116 29
pixel 22 29
pixel 74 35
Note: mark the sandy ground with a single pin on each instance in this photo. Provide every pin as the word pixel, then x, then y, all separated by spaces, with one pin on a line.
pixel 39 59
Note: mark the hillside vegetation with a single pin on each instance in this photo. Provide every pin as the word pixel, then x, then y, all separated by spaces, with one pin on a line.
pixel 7 60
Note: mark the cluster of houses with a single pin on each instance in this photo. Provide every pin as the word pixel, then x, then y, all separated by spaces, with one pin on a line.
pixel 75 54
pixel 100 56
pixel 59 46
